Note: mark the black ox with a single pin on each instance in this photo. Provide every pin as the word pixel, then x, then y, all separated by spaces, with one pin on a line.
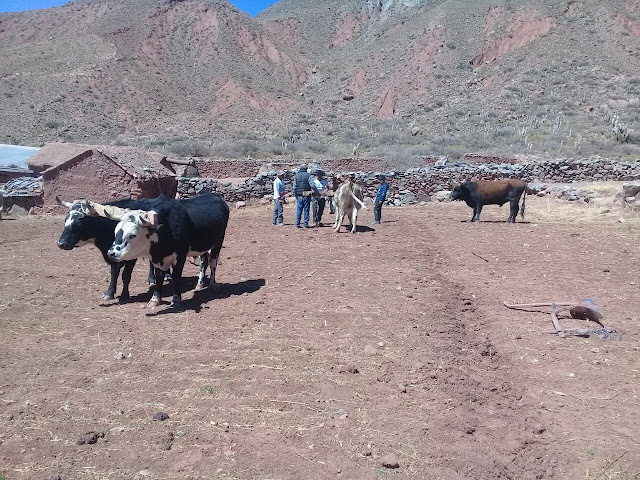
pixel 169 233
pixel 81 227
pixel 498 192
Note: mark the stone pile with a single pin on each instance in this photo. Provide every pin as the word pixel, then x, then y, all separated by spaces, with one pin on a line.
pixel 421 184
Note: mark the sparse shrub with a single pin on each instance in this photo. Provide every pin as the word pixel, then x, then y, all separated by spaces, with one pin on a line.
pixel 317 147
pixel 189 148
pixel 503 132
pixel 52 124
pixel 308 121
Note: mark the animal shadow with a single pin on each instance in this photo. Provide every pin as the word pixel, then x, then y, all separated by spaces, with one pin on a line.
pixel 222 290
pixel 188 283
pixel 525 222
pixel 359 229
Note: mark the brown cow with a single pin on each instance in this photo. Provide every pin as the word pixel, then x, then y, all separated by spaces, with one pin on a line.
pixel 347 199
pixel 498 192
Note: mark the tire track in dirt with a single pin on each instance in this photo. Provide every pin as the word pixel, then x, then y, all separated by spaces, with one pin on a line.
pixel 486 427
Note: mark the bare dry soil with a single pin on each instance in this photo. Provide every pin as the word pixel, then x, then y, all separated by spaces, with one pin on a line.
pixel 325 355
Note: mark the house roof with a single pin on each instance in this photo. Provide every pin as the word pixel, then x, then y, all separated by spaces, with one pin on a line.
pixel 136 162
pixel 22 187
pixel 53 154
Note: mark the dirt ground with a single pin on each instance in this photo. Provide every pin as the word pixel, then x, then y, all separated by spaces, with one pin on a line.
pixel 323 353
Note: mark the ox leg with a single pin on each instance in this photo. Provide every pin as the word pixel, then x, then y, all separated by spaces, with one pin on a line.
pixel 213 263
pixel 340 217
pixel 354 217
pixel 110 293
pixel 176 279
pixel 204 262
pixel 513 210
pixel 126 280
pixel 151 277
pixel 156 298
pixel 476 213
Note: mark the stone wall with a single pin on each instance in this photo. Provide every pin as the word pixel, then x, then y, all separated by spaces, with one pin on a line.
pixel 251 168
pixel 422 183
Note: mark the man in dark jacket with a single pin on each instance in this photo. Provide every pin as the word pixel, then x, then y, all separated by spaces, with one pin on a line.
pixel 381 196
pixel 300 186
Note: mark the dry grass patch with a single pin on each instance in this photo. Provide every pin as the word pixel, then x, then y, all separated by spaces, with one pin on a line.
pixel 554 210
pixel 613 473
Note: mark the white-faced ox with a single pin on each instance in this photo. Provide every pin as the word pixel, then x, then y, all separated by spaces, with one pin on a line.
pixel 169 234
pixel 82 226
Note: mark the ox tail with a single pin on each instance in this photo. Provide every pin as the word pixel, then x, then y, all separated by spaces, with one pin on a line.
pixel 358 200
pixel 524 200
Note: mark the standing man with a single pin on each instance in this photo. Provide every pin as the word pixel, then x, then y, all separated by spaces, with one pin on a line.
pixel 300 186
pixel 278 199
pixel 319 186
pixel 381 196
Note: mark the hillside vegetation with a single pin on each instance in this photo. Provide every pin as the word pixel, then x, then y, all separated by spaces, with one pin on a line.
pixel 398 77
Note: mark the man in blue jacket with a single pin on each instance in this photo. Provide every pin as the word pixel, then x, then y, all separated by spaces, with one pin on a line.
pixel 381 196
pixel 300 186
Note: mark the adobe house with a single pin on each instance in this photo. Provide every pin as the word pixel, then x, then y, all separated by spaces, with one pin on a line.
pixel 102 173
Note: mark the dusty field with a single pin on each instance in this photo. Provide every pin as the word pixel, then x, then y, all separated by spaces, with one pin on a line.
pixel 322 353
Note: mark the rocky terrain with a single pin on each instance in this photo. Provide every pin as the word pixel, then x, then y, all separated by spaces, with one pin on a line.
pixel 399 78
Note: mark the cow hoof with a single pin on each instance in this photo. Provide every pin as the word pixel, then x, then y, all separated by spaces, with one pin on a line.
pixel 200 286
pixel 124 299
pixel 108 296
pixel 154 302
pixel 176 305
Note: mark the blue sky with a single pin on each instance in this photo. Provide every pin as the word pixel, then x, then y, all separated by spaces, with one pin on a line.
pixel 250 6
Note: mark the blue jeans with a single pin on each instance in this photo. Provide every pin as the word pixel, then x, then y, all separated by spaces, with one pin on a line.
pixel 377 210
pixel 277 211
pixel 303 205
pixel 318 209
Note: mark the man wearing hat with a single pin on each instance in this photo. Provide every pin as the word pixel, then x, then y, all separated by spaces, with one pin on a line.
pixel 278 199
pixel 300 186
pixel 381 196
pixel 319 186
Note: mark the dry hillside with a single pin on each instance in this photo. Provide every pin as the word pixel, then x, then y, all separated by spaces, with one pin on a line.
pixel 400 77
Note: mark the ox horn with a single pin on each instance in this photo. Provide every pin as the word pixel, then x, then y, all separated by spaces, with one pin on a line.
pixel 107 211
pixel 63 203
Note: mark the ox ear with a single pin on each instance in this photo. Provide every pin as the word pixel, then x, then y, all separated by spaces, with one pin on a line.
pixel 63 203
pixel 149 219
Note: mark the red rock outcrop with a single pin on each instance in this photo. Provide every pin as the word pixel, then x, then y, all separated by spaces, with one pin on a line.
pixel 520 31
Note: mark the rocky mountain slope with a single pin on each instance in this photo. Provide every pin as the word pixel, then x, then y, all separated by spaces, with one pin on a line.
pixel 398 77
